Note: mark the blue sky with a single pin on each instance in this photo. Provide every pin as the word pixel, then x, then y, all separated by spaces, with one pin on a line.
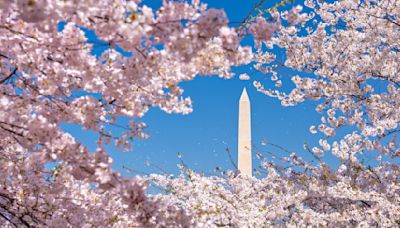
pixel 203 137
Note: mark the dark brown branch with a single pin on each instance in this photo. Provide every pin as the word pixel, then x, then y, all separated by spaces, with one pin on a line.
pixel 7 210
pixel 256 6
pixel 231 159
pixel 17 32
pixel 376 176
pixel 7 219
pixel 4 56
pixel 9 76
pixel 12 131
pixel 389 133
pixel 388 19
pixel 141 52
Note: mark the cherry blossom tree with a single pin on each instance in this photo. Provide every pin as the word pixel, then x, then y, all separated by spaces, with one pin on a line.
pixel 345 58
pixel 344 55
pixel 318 197
pixel 50 75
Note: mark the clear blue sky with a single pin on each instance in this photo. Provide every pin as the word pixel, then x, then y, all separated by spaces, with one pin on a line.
pixel 203 136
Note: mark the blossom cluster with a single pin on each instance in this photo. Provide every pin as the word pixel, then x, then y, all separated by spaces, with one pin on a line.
pixel 51 73
pixel 320 197
pixel 345 55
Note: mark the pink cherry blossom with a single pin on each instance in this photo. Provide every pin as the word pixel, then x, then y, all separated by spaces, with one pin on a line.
pixel 343 55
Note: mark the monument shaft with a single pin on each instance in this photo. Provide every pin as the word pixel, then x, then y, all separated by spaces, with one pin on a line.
pixel 244 136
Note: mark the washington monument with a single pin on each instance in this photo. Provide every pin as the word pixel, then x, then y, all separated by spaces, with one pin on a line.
pixel 244 136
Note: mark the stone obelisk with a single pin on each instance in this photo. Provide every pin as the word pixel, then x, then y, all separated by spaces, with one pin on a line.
pixel 244 136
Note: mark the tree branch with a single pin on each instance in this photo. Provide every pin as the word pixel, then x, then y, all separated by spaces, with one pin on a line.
pixel 9 76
